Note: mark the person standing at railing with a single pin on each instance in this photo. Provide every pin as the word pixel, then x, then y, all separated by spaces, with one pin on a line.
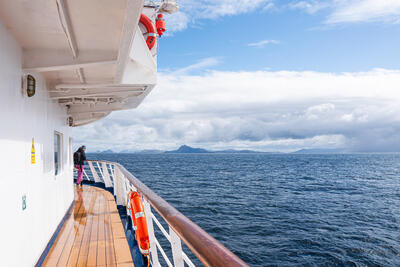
pixel 79 161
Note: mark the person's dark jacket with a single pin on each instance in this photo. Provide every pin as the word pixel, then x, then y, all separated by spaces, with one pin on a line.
pixel 82 157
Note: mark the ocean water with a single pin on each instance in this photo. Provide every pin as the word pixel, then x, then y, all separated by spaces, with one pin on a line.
pixel 284 209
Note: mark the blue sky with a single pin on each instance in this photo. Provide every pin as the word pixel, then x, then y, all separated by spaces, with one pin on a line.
pixel 304 41
pixel 269 75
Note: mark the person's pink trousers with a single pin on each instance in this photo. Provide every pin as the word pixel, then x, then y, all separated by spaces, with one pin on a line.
pixel 80 174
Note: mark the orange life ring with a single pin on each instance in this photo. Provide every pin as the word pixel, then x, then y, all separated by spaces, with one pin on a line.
pixel 139 222
pixel 151 30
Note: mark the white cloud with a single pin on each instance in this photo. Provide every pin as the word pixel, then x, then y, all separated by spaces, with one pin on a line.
pixel 365 10
pixel 310 7
pixel 193 10
pixel 217 8
pixel 263 110
pixel 340 11
pixel 176 22
pixel 350 11
pixel 204 63
pixel 314 112
pixel 263 43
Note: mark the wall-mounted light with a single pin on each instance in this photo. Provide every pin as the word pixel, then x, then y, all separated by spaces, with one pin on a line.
pixel 70 121
pixel 29 85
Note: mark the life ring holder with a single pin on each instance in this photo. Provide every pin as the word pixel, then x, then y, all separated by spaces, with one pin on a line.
pixel 135 206
pixel 151 31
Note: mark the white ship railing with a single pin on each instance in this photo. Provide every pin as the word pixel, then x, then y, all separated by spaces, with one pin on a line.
pixel 207 249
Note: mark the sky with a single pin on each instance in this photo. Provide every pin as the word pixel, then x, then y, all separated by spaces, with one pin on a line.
pixel 268 75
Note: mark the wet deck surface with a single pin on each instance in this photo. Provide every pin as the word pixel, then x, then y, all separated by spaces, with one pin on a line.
pixel 92 235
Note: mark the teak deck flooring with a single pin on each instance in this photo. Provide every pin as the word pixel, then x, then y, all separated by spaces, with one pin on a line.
pixel 92 235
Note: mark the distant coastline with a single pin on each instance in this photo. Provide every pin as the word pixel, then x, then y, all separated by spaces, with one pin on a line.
pixel 185 149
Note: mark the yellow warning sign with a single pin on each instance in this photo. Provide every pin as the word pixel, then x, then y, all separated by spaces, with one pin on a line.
pixel 33 158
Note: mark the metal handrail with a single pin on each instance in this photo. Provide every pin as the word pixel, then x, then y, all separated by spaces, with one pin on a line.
pixel 206 248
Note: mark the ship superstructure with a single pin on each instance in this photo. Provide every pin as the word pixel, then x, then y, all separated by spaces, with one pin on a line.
pixel 66 63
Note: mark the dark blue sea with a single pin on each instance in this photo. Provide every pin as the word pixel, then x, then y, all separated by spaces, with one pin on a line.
pixel 284 209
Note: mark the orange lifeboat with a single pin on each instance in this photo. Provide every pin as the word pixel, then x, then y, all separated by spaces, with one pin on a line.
pixel 151 31
pixel 139 222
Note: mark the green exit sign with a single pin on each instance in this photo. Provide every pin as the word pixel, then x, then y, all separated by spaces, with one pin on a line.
pixel 23 202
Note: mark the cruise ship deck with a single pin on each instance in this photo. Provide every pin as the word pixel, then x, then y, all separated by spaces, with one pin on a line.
pixel 92 234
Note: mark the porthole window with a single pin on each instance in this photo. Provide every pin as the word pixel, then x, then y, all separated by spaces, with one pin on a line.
pixel 30 85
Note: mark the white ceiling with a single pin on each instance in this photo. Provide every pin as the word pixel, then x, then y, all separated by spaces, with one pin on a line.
pixel 75 43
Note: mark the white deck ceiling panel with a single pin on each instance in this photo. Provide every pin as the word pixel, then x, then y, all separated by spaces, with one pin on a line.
pixel 35 24
pixel 100 74
pixel 75 43
pixel 66 76
pixel 97 24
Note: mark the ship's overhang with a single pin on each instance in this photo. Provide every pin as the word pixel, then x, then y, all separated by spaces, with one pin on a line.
pixel 91 53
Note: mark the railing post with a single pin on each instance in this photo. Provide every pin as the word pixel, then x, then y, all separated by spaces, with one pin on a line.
pixel 150 227
pixel 101 172
pixel 118 190
pixel 112 170
pixel 110 173
pixel 176 247
pixel 106 175
pixel 85 174
pixel 94 172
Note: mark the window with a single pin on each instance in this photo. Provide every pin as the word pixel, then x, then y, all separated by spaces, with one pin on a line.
pixel 70 153
pixel 57 153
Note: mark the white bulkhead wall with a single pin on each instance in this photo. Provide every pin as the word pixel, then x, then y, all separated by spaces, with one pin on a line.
pixel 142 66
pixel 25 233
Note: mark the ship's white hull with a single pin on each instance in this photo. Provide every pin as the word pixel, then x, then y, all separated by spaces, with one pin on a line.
pixel 25 233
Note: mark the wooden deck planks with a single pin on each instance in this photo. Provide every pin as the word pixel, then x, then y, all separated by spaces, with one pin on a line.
pixel 92 253
pixel 84 218
pixel 79 219
pixel 101 246
pixel 58 246
pixel 110 253
pixel 92 235
pixel 84 249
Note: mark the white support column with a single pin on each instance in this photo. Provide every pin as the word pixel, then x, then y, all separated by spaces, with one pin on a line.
pixel 176 247
pixel 150 227
pixel 106 175
pixel 94 172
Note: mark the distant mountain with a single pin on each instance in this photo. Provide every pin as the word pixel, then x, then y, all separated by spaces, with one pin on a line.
pixel 106 151
pixel 188 149
pixel 145 151
pixel 318 151
pixel 193 150
pixel 150 151
pixel 126 151
pixel 246 151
